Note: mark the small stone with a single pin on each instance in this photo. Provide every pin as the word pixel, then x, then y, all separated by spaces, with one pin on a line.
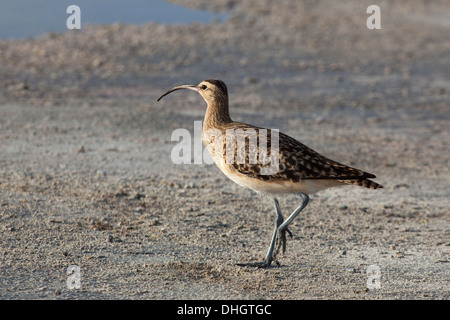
pixel 101 173
pixel 81 149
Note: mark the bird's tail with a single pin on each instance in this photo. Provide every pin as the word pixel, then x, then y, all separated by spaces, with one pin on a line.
pixel 366 183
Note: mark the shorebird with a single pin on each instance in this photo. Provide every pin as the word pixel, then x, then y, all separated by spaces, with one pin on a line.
pixel 299 170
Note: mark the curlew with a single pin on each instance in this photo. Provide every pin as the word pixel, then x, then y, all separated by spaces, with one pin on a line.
pixel 298 169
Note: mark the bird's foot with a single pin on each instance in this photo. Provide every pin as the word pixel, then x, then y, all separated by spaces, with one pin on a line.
pixel 281 240
pixel 280 243
pixel 260 264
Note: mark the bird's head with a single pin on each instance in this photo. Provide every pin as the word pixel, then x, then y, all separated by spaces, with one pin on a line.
pixel 211 90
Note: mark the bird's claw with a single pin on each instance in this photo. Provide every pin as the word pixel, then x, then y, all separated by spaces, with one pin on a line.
pixel 281 240
pixel 280 243
pixel 260 264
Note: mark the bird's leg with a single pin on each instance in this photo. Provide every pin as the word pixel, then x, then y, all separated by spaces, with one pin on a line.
pixel 270 256
pixel 283 228
pixel 279 234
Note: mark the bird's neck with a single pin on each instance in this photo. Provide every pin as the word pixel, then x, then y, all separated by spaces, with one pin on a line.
pixel 217 114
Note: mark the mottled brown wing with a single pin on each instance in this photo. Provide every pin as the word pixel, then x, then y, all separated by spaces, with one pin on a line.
pixel 296 161
pixel 298 158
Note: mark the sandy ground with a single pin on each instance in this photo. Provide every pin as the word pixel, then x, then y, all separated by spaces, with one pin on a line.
pixel 86 176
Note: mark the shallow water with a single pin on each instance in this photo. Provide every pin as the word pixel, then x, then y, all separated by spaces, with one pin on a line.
pixel 27 18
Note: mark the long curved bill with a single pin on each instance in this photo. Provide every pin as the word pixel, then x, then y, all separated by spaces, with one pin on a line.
pixel 186 86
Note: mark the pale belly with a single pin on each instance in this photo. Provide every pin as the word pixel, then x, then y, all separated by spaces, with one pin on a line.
pixel 277 187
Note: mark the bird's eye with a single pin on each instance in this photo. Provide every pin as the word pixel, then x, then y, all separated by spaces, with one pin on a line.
pixel 204 87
